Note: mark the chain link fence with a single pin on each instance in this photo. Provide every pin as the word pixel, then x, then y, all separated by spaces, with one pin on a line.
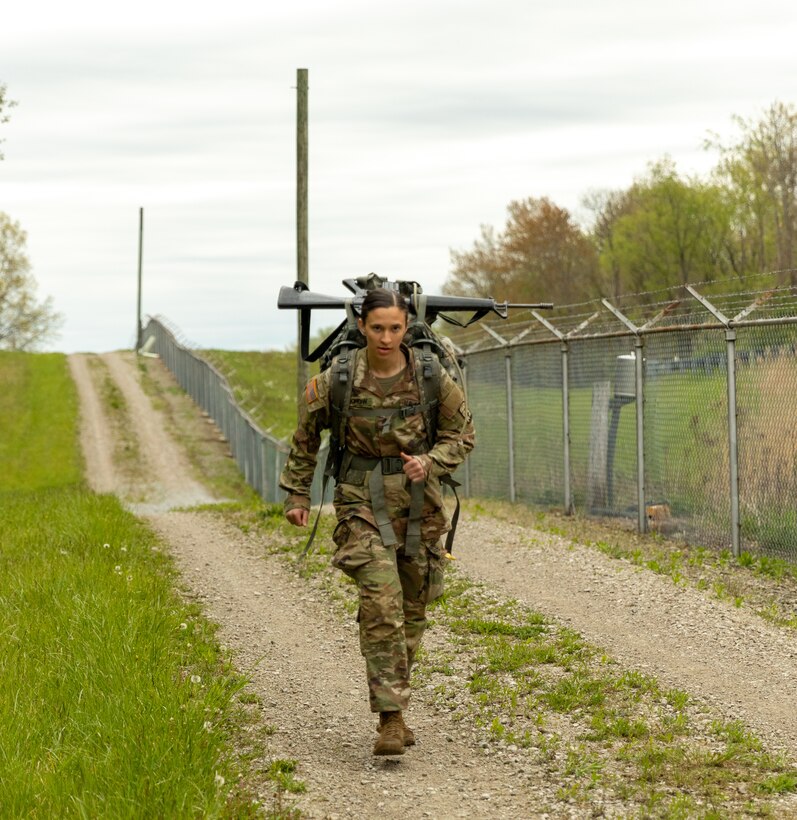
pixel 259 456
pixel 676 414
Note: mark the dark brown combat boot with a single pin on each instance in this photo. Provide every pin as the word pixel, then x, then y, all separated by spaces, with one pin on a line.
pixel 407 733
pixel 391 734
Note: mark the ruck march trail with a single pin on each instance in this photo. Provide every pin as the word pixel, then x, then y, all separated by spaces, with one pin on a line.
pixel 484 749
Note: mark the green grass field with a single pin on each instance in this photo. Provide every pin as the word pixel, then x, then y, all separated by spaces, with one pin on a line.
pixel 115 699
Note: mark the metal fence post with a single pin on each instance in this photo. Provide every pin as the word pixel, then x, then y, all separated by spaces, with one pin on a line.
pixel 639 349
pixel 733 444
pixel 566 427
pixel 510 425
pixel 565 348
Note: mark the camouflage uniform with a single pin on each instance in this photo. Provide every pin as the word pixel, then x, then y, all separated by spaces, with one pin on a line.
pixel 394 587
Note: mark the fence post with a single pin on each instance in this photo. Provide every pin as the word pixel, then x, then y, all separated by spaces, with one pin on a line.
pixel 733 443
pixel 564 338
pixel 510 424
pixel 639 350
pixel 566 426
pixel 639 389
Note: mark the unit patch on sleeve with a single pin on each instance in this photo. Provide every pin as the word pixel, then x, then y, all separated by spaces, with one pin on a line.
pixel 311 391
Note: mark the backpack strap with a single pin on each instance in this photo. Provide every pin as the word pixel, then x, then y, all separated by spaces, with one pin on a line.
pixel 427 376
pixel 342 379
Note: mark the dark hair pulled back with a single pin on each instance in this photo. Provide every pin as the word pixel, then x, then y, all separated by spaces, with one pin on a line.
pixel 383 298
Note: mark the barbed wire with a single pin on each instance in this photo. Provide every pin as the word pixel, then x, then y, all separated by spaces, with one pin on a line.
pixel 672 306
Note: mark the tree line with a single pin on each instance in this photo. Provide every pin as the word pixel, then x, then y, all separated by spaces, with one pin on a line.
pixel 664 230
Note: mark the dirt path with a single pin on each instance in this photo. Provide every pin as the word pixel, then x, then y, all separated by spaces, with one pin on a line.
pixel 96 438
pixel 746 667
pixel 306 666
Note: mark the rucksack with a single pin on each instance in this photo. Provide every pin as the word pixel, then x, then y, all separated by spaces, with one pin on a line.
pixel 433 353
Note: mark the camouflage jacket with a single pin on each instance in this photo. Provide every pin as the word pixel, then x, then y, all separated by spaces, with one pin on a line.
pixel 378 437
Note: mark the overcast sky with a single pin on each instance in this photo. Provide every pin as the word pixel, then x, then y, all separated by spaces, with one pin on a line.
pixel 426 118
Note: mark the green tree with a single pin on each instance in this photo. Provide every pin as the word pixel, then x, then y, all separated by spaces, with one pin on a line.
pixel 542 254
pixel 663 231
pixel 760 170
pixel 24 322
pixel 608 207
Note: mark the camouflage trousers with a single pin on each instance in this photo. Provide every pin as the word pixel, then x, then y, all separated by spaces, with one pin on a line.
pixel 394 592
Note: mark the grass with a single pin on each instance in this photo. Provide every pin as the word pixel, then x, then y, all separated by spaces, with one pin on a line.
pixel 537 688
pixel 200 439
pixel 621 732
pixel 38 404
pixel 115 697
pixel 126 454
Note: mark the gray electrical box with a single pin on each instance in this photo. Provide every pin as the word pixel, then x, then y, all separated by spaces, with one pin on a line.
pixel 625 377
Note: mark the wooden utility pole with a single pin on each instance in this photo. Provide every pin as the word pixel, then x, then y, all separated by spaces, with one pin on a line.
pixel 302 264
pixel 139 329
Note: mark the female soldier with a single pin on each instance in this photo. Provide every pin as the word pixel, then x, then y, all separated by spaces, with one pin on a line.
pixel 387 461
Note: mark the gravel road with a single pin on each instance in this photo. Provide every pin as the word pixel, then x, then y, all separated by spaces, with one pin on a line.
pixel 305 665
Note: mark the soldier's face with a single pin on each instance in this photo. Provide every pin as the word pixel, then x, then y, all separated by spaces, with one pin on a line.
pixel 384 328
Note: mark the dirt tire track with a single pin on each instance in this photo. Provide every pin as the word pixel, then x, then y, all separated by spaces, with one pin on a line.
pixel 96 439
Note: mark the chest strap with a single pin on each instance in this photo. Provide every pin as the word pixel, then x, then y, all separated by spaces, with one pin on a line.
pixel 388 412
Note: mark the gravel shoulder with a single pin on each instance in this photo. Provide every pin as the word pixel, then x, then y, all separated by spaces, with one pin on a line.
pixel 303 656
pixel 744 666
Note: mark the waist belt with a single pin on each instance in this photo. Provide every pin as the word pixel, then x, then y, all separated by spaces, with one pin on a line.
pixel 391 465
pixel 379 467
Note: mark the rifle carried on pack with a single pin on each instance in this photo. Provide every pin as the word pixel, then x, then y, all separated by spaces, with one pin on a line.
pixel 426 308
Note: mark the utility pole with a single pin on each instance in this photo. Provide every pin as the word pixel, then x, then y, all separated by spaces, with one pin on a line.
pixel 302 264
pixel 139 329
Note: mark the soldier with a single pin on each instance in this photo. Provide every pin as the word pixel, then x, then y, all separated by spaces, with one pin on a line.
pixel 388 499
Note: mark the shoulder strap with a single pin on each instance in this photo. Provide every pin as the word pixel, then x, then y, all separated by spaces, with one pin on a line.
pixel 427 376
pixel 342 377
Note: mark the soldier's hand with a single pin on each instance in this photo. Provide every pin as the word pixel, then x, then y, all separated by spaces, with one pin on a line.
pixel 413 468
pixel 298 516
